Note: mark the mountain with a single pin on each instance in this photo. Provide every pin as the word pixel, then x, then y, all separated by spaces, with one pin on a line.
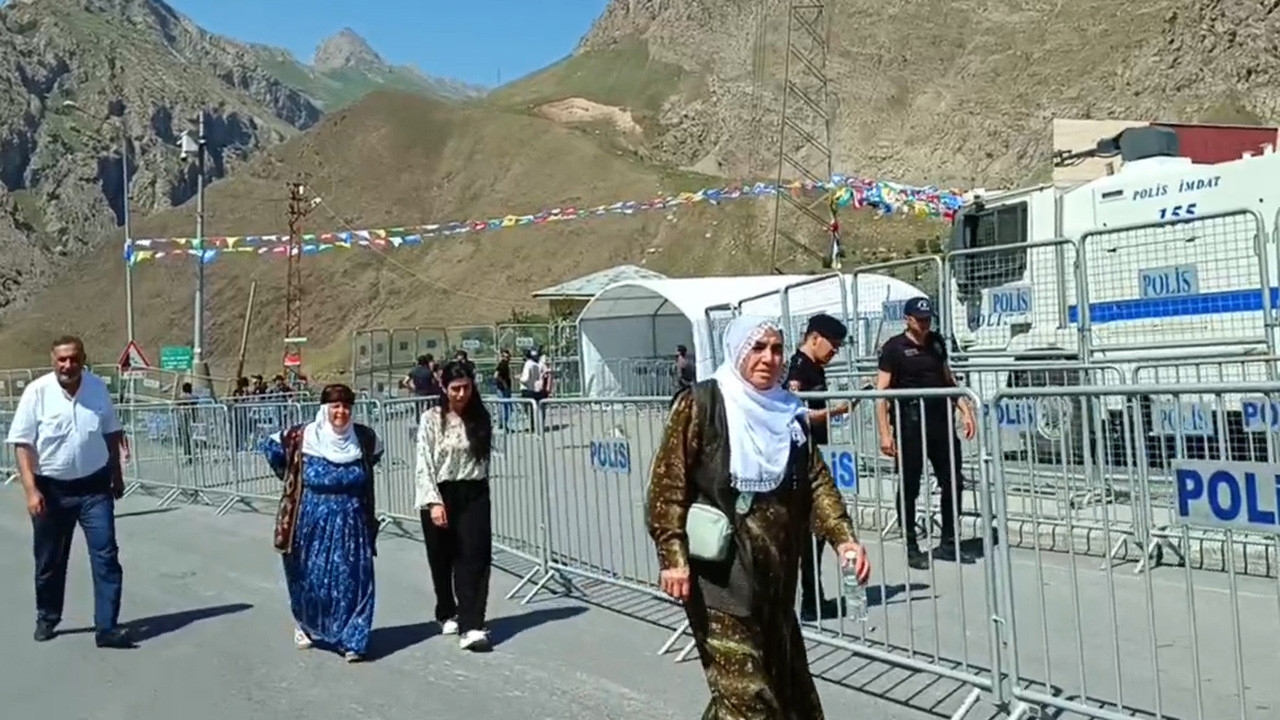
pixel 394 159
pixel 83 76
pixel 346 67
pixel 952 92
pixel 660 96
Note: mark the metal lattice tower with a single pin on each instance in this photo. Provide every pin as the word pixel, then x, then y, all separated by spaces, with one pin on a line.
pixel 805 222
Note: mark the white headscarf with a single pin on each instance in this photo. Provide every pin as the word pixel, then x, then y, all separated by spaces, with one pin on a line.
pixel 763 424
pixel 321 439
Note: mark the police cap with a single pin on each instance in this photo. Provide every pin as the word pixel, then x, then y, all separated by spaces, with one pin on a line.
pixel 827 327
pixel 918 307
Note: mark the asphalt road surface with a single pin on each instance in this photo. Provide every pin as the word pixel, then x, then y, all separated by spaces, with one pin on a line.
pixel 205 596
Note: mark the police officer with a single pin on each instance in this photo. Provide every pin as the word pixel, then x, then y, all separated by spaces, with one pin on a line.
pixel 807 373
pixel 917 359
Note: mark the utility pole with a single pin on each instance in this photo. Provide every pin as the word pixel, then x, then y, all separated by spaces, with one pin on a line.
pixel 300 206
pixel 198 148
pixel 128 230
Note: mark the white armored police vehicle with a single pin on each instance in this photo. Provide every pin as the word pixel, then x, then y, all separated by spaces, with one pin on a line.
pixel 1146 273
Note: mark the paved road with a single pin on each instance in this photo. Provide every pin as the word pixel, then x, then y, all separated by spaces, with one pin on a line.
pixel 207 599
pixel 561 657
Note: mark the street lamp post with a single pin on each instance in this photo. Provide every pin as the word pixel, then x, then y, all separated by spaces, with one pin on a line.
pixel 198 147
pixel 128 231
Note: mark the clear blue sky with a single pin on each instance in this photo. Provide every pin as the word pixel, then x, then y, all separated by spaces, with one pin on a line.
pixel 472 40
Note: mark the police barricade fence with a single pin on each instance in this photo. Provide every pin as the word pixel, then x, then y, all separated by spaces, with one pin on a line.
pixel 569 496
pixel 599 455
pixel 1048 436
pixel 8 461
pixel 1230 246
pixel 1175 642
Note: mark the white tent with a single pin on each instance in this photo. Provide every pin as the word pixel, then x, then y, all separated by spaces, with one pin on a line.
pixel 632 322
pixel 639 320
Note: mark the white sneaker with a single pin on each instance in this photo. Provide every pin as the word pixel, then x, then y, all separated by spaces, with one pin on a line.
pixel 449 627
pixel 475 640
pixel 300 639
pixel 352 656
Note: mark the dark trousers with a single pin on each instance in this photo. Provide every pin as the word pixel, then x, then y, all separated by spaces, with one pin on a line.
pixel 461 555
pixel 504 415
pixel 942 448
pixel 811 592
pixel 89 503
pixel 537 397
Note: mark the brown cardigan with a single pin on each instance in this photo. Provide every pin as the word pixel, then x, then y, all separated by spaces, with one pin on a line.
pixel 291 498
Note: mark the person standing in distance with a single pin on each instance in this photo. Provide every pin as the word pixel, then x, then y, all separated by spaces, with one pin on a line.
pixel 422 378
pixel 917 359
pixel 502 383
pixel 807 373
pixel 66 436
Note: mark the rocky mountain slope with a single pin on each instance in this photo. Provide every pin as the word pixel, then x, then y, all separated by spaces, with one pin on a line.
pixel 392 160
pixel 953 92
pixel 78 77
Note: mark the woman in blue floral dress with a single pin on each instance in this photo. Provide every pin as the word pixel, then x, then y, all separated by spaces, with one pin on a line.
pixel 327 524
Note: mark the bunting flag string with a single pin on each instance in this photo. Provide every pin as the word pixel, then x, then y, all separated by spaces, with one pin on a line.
pixel 886 198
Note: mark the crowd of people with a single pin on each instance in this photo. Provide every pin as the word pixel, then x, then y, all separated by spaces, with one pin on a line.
pixel 740 501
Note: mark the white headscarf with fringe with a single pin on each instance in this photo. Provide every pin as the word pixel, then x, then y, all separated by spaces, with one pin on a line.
pixel 763 424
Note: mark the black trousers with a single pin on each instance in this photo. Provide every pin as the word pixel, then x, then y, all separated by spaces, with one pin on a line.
pixel 937 442
pixel 461 555
pixel 87 502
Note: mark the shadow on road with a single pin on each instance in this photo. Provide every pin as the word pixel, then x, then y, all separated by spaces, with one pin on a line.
pixel 150 511
pixel 149 628
pixel 387 641
pixel 505 628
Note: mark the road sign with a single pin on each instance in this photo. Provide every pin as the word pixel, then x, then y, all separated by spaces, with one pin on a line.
pixel 293 360
pixel 176 357
pixel 132 358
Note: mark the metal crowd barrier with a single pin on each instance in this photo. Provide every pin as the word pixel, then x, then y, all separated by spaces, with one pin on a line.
pixel 1016 623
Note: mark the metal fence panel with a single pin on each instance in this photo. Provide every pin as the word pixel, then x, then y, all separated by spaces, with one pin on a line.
pixel 1013 299
pixel 1188 283
pixel 1141 471
pixel 879 318
pixel 1115 645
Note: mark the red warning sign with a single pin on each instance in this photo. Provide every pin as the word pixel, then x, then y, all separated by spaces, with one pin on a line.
pixel 292 360
pixel 132 358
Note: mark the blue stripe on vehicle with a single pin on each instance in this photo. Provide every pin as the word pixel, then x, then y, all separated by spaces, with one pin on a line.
pixel 1215 303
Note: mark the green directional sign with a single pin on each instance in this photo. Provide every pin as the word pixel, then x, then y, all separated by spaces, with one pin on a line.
pixel 176 357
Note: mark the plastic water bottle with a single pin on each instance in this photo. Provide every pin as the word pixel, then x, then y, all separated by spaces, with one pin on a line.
pixel 855 592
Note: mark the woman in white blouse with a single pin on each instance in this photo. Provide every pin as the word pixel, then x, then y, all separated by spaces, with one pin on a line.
pixel 452 478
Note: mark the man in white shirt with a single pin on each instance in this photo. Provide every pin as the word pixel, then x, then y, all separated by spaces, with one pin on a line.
pixel 66 437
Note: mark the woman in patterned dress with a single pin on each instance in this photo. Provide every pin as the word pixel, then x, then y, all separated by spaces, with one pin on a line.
pixel 738 442
pixel 327 524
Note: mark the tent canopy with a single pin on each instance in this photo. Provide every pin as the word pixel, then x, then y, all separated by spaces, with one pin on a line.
pixel 629 331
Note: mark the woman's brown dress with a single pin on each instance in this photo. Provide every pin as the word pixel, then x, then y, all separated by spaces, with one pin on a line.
pixel 755 663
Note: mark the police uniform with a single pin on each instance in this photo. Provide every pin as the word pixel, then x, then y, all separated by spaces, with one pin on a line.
pixel 923 428
pixel 804 374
